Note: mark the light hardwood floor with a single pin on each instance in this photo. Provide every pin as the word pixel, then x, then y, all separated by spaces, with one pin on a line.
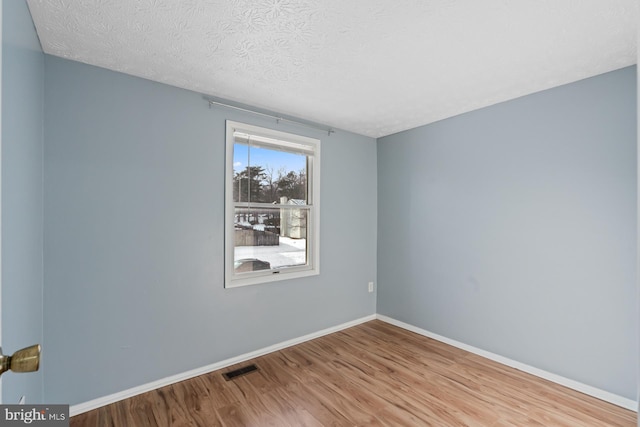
pixel 374 374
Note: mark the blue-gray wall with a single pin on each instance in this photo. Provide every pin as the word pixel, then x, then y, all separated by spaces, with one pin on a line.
pixel 134 211
pixel 513 229
pixel 22 126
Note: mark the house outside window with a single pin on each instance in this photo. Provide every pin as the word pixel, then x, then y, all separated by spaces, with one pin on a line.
pixel 271 205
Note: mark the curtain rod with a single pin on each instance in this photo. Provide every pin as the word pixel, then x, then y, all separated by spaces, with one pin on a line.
pixel 278 118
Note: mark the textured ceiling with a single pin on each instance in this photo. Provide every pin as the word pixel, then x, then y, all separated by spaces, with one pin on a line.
pixel 374 67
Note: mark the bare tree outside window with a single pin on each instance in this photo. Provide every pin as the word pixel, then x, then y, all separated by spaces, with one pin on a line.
pixel 270 221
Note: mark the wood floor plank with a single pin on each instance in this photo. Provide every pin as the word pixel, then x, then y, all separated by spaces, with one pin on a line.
pixel 283 403
pixel 235 415
pixel 373 374
pixel 508 384
pixel 305 397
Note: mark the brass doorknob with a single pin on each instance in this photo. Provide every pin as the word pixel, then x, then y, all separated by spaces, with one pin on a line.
pixel 25 360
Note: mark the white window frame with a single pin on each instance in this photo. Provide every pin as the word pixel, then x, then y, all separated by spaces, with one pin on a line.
pixel 291 143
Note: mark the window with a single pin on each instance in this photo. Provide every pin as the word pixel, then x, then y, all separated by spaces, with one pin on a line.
pixel 271 205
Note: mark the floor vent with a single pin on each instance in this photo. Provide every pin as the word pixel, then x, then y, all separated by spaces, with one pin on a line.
pixel 239 372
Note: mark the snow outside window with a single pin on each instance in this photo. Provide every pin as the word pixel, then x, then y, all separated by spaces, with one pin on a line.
pixel 272 205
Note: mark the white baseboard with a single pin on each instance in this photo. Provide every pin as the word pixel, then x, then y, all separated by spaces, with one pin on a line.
pixel 116 397
pixel 575 385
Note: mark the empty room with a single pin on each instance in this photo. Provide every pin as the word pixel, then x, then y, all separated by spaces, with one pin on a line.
pixel 314 213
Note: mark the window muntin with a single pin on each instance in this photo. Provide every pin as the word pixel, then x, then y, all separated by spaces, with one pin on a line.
pixel 272 205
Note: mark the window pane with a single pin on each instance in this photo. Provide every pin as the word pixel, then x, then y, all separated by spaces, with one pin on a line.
pixel 271 212
pixel 263 175
pixel 269 238
pixel 240 173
